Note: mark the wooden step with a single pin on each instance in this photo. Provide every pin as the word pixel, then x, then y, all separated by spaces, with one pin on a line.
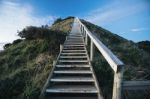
pixel 77 48
pixel 74 37
pixel 72 66
pixel 76 34
pixel 68 97
pixel 73 72
pixel 78 61
pixel 74 50
pixel 73 45
pixel 73 53
pixel 73 57
pixel 68 41
pixel 74 40
pixel 72 79
pixel 72 89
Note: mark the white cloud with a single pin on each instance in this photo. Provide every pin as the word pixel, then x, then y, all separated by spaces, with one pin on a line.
pixel 15 16
pixel 114 11
pixel 139 29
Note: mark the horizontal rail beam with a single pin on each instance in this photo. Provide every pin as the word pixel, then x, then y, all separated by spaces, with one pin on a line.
pixel 136 85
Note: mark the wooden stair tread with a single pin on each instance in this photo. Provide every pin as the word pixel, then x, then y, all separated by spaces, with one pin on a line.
pixel 72 89
pixel 73 72
pixel 72 79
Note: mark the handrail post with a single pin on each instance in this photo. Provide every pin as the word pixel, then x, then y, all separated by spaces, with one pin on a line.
pixel 83 32
pixel 86 39
pixel 117 85
pixel 54 62
pixel 61 47
pixel 81 28
pixel 91 51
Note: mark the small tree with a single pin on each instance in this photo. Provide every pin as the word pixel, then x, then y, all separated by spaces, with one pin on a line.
pixel 27 32
pixel 17 41
pixel 7 45
pixel 57 20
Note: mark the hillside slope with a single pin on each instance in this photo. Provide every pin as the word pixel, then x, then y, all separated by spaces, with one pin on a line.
pixel 25 64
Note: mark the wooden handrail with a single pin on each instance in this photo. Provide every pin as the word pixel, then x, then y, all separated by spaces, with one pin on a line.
pixel 116 64
pixel 113 61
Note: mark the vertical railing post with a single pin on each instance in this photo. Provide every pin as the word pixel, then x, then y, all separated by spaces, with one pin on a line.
pixel 61 47
pixel 81 28
pixel 91 51
pixel 83 32
pixel 117 85
pixel 86 39
pixel 54 63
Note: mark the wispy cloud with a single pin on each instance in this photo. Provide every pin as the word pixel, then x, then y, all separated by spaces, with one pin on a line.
pixel 114 11
pixel 139 29
pixel 15 16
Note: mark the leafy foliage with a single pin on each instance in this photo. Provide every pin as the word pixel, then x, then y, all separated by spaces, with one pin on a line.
pixel 145 45
pixel 32 32
pixel 17 41
pixel 7 45
pixel 57 20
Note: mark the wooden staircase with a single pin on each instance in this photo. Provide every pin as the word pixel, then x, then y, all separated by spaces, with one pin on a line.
pixel 73 76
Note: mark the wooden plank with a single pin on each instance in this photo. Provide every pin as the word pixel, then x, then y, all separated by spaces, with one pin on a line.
pixel 73 72
pixel 91 51
pixel 72 79
pixel 73 53
pixel 76 65
pixel 73 57
pixel 136 85
pixel 74 50
pixel 72 89
pixel 74 61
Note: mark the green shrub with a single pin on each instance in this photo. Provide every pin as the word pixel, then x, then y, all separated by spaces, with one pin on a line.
pixel 17 41
pixel 57 20
pixel 7 45
pixel 145 45
pixel 12 87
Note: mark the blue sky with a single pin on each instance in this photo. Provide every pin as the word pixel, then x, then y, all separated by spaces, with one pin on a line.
pixel 127 18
